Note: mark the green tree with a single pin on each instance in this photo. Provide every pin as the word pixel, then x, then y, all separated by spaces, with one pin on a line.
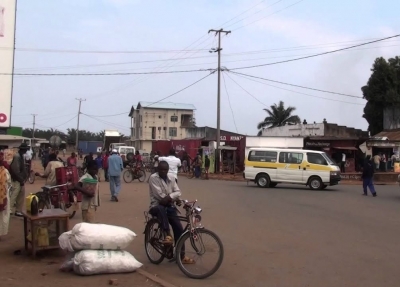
pixel 278 116
pixel 382 91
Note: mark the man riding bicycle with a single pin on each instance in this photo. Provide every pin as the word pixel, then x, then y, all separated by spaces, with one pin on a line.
pixel 164 191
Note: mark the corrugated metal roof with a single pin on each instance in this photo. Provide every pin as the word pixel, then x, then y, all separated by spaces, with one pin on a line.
pixel 11 137
pixel 168 106
pixel 392 135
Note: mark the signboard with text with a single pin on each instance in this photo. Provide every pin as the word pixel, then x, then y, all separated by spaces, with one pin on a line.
pixel 231 138
pixel 7 34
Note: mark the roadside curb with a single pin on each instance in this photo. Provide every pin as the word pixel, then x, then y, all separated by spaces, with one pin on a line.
pixel 343 182
pixel 154 278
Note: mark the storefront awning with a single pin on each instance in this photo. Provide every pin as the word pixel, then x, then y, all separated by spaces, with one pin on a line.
pixel 346 148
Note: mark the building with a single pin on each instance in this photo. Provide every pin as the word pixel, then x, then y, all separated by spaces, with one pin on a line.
pixel 159 121
pixel 335 140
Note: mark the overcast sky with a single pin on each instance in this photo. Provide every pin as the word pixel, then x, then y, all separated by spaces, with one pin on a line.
pixel 264 34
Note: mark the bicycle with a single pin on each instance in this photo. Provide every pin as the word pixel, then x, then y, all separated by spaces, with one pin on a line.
pixel 31 174
pixel 63 199
pixel 133 173
pixel 194 233
pixel 191 173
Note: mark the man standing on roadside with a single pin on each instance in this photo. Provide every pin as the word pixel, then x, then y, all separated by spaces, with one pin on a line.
pixel 206 165
pixel 174 163
pixel 105 164
pixel 115 167
pixel 18 176
pixel 367 177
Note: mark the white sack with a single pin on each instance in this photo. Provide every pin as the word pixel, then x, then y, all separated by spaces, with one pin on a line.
pixel 87 236
pixel 65 241
pixel 90 262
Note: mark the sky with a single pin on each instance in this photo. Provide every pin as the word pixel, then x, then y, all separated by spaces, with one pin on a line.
pixel 135 36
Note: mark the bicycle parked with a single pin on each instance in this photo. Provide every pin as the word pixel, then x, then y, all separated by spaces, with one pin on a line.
pixel 133 172
pixel 66 200
pixel 195 236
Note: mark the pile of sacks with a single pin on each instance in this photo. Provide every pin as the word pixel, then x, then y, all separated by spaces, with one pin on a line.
pixel 98 249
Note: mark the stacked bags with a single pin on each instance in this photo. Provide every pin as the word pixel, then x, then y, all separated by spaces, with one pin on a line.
pixel 99 249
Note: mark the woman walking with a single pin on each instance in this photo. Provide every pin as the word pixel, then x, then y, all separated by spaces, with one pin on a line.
pixel 5 184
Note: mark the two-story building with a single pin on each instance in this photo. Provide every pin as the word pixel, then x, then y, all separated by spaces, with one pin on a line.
pixel 159 121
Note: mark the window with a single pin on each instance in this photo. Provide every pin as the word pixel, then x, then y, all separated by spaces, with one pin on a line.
pixel 173 132
pixel 174 118
pixel 133 132
pixel 140 118
pixel 316 158
pixel 153 133
pixel 290 157
pixel 141 132
pixel 264 156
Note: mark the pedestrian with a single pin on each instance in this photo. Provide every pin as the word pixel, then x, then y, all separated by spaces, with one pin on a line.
pixel 18 177
pixel 90 198
pixel 206 165
pixel 5 202
pixel 368 177
pixel 64 152
pixel 72 160
pixel 115 168
pixel 50 172
pixel 343 163
pixel 105 165
pixel 377 161
pixel 99 161
pixel 174 163
pixel 197 166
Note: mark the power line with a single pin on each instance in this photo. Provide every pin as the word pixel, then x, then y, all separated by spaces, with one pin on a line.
pixel 247 92
pixel 124 113
pixel 65 122
pixel 316 55
pixel 298 86
pixel 102 74
pixel 107 122
pixel 287 7
pixel 72 51
pixel 229 101
pixel 181 90
pixel 254 13
pixel 308 95
pixel 242 13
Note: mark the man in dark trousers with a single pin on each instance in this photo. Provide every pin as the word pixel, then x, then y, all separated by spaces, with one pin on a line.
pixel 368 177
pixel 207 165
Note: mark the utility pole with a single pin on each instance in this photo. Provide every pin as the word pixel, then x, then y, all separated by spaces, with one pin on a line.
pixel 33 128
pixel 218 50
pixel 77 125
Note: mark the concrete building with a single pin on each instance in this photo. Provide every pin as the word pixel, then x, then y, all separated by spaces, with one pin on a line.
pixel 159 121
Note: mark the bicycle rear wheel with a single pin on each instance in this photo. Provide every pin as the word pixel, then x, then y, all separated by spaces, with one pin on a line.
pixel 128 176
pixel 194 246
pixel 152 241
pixel 31 177
pixel 141 175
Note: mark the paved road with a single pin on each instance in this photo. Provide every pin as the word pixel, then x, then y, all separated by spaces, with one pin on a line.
pixel 286 236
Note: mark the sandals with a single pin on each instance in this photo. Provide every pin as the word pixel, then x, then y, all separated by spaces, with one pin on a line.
pixel 187 260
pixel 168 240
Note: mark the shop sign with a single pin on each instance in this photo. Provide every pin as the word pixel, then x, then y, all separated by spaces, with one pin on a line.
pixel 318 144
pixel 231 138
pixel 350 176
pixel 382 144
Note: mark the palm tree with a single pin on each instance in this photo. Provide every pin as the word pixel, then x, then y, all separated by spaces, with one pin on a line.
pixel 278 116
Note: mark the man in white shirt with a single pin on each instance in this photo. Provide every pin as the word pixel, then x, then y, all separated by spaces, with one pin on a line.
pixel 28 155
pixel 173 162
pixel 343 163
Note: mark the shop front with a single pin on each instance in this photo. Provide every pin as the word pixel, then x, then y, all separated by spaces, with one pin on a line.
pixel 340 150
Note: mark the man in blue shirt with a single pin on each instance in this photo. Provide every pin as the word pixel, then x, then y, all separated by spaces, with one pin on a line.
pixel 115 168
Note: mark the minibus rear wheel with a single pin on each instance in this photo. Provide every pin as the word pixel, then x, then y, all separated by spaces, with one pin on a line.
pixel 263 180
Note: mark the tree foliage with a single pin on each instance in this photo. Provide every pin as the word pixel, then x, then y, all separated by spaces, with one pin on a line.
pixel 382 91
pixel 278 116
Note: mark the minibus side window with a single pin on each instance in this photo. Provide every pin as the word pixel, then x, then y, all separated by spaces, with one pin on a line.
pixel 263 156
pixel 291 157
pixel 316 158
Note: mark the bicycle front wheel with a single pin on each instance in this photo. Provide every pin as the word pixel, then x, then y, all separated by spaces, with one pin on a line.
pixel 128 176
pixel 195 246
